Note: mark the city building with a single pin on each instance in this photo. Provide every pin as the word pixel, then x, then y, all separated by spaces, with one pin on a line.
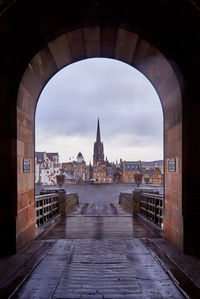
pixel 102 171
pixel 77 171
pixel 153 164
pixel 152 176
pixel 130 168
pixel 47 167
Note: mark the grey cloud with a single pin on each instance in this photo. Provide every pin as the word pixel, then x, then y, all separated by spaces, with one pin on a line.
pixel 125 102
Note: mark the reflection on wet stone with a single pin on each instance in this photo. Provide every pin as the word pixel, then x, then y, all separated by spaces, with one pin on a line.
pixel 98 253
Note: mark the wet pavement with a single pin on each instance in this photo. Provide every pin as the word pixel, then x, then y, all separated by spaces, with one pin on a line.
pixel 101 228
pixel 98 251
pixel 109 192
pixel 106 268
pixel 97 209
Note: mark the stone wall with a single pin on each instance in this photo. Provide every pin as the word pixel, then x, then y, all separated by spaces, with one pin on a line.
pixel 126 199
pixel 67 202
pixel 131 201
pixel 112 29
pixel 71 200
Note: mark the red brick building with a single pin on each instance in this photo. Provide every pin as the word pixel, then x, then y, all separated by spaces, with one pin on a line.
pixel 152 176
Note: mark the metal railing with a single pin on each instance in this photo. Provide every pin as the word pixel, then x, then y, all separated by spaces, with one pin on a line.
pixel 151 207
pixel 46 207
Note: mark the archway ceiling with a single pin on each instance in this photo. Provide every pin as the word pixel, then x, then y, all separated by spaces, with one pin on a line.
pixel 38 22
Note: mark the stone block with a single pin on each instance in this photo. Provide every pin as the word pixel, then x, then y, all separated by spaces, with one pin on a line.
pixel 60 51
pixel 66 202
pixel 126 45
pixel 174 217
pixel 26 135
pixel 108 41
pixel 22 182
pixel 32 85
pixel 22 220
pixel 25 103
pixel 21 116
pixel 20 148
pixel 32 195
pixel 92 41
pixel 141 55
pixel 136 201
pixel 173 181
pixel 31 213
pixel 173 198
pixel 19 166
pixel 173 235
pixel 25 236
pixel 77 44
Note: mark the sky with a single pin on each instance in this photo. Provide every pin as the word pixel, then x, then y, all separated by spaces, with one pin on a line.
pixel 124 100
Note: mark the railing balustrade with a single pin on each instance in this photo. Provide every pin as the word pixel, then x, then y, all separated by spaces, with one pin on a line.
pixel 46 207
pixel 151 207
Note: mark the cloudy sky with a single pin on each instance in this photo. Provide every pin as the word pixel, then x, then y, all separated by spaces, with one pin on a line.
pixel 130 113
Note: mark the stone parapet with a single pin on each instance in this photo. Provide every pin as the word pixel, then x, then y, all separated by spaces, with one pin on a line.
pixel 67 202
pixel 131 201
pixel 126 199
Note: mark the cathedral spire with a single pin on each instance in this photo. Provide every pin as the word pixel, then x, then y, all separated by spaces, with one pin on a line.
pixel 98 157
pixel 98 132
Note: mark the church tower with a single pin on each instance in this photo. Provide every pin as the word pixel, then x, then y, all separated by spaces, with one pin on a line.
pixel 98 157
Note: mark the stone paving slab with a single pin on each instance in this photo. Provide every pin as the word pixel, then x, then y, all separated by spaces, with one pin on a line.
pixel 92 210
pixel 106 255
pixel 81 272
pixel 190 265
pixel 101 227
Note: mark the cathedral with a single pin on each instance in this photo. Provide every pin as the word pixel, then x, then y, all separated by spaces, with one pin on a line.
pixel 98 157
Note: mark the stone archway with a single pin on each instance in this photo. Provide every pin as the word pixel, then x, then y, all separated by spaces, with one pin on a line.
pixel 53 34
pixel 86 43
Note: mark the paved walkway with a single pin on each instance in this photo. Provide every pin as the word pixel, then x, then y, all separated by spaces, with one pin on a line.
pixel 99 251
pixel 106 268
pixel 96 253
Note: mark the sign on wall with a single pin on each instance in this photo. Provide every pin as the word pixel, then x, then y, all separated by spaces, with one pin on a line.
pixel 172 165
pixel 26 165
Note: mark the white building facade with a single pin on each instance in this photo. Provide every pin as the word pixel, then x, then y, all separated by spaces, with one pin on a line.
pixel 47 167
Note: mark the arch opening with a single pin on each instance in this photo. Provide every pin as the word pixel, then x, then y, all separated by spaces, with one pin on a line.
pixel 108 89
pixel 87 43
pixel 131 123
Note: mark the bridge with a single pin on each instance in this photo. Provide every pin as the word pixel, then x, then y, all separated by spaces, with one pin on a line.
pixel 38 38
pixel 97 250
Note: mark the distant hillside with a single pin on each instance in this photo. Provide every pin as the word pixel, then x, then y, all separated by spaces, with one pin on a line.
pixel 158 163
